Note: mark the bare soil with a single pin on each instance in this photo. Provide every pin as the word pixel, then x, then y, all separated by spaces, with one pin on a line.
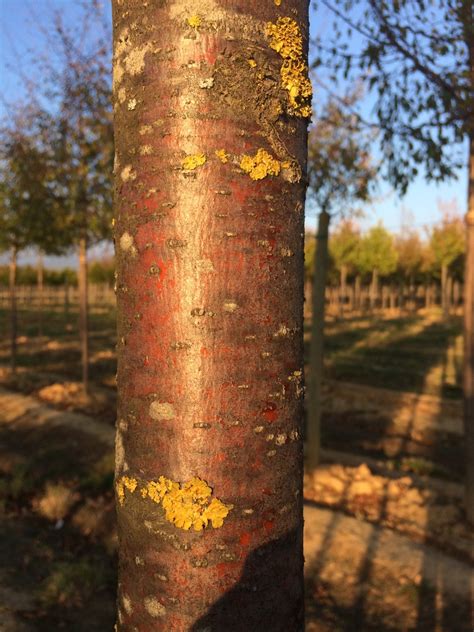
pixel 385 550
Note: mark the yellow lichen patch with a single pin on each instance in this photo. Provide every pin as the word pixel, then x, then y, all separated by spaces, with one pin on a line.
pixel 125 483
pixel 156 490
pixel 216 512
pixel 193 161
pixel 194 21
pixel 222 155
pixel 252 63
pixel 277 2
pixel 286 38
pixel 261 165
pixel 187 505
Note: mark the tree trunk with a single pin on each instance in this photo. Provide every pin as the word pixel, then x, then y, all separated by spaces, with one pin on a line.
pixel 374 289
pixel 83 313
pixel 40 289
pixel 209 244
pixel 66 299
pixel 357 293
pixel 393 297
pixel 469 341
pixel 456 295
pixel 342 290
pixel 449 293
pixel 444 290
pixel 13 310
pixel 315 376
pixel 308 288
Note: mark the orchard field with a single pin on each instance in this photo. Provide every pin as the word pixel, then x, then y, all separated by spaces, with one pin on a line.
pixel 386 548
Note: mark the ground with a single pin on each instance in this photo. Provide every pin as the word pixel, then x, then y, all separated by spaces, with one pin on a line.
pixel 386 544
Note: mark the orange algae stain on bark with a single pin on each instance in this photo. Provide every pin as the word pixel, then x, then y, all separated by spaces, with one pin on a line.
pixel 186 505
pixel 245 539
pixel 286 39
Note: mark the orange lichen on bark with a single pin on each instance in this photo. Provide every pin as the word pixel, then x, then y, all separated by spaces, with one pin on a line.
pixel 186 505
pixel 193 161
pixel 194 21
pixel 261 165
pixel 125 483
pixel 222 155
pixel 286 38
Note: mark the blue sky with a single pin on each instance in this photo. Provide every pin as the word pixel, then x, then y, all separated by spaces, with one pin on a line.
pixel 20 31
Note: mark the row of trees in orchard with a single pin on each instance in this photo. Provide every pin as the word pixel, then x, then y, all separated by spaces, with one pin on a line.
pixel 57 155
pixel 415 61
pixel 409 259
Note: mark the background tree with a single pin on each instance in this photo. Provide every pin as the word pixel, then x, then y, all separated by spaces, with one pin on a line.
pixel 84 154
pixel 343 247
pixel 377 256
pixel 417 60
pixel 409 249
pixel 26 214
pixel 339 173
pixel 447 241
pixel 210 187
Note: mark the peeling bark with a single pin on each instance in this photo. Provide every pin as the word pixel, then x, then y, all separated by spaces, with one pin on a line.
pixel 209 173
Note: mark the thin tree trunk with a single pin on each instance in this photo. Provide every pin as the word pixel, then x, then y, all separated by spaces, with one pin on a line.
pixel 357 292
pixel 83 313
pixel 444 290
pixel 210 316
pixel 315 377
pixel 342 290
pixel 456 295
pixel 449 293
pixel 308 288
pixel 13 309
pixel 374 289
pixel 393 298
pixel 66 300
pixel 469 341
pixel 40 289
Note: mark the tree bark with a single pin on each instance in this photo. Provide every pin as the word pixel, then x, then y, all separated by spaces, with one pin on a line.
pixel 40 288
pixel 209 196
pixel 83 313
pixel 469 341
pixel 13 309
pixel 315 377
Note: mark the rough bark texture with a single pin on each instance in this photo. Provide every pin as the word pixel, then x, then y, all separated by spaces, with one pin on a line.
pixel 13 310
pixel 83 313
pixel 315 378
pixel 209 243
pixel 469 341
